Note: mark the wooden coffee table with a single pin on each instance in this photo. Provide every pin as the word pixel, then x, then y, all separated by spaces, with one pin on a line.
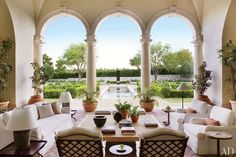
pixel 35 147
pixel 218 135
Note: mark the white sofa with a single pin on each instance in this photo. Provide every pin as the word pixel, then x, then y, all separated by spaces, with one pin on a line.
pixel 202 144
pixel 178 118
pixel 46 131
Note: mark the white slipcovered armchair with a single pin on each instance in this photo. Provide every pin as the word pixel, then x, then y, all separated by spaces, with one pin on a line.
pixel 178 118
pixel 202 144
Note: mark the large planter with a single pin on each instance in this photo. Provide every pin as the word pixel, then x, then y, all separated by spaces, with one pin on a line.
pixel 3 106
pixel 90 106
pixel 147 105
pixel 233 105
pixel 35 98
pixel 204 98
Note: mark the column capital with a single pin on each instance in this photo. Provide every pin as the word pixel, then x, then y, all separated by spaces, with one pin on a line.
pixel 198 39
pixel 38 40
pixel 146 38
pixel 90 39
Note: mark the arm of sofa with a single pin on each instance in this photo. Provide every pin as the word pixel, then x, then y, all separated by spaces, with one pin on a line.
pixel 180 110
pixel 189 116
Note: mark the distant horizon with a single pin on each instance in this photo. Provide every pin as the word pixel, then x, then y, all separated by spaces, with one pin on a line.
pixel 118 38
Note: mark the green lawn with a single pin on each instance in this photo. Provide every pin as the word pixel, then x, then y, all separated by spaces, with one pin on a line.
pixel 50 100
pixel 178 100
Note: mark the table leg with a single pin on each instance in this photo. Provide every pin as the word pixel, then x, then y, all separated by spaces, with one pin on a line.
pixel 218 147
pixel 168 115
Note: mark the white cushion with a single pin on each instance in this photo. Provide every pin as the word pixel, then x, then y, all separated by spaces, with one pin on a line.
pixel 225 116
pixel 199 106
pixel 6 116
pixel 194 129
pixel 45 111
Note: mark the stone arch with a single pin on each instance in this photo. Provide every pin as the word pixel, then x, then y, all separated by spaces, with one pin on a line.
pixel 57 12
pixel 127 12
pixel 185 15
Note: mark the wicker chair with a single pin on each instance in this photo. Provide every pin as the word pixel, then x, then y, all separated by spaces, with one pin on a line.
pixel 163 142
pixel 79 142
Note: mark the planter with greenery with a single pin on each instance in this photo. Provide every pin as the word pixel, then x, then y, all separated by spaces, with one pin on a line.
pixel 228 55
pixel 90 102
pixel 123 108
pixel 146 100
pixel 5 69
pixel 39 78
pixel 134 114
pixel 202 82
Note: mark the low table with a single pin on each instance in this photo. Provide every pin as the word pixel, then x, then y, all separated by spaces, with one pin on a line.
pixel 35 147
pixel 167 123
pixel 219 135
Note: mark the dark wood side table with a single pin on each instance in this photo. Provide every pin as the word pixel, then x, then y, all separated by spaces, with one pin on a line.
pixel 167 123
pixel 218 135
pixel 35 147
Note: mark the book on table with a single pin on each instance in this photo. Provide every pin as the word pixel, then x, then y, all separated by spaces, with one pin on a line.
pixel 125 123
pixel 128 131
pixel 108 130
pixel 150 124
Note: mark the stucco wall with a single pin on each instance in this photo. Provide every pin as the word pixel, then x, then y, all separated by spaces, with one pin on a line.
pixel 22 13
pixel 229 33
pixel 214 13
pixel 6 31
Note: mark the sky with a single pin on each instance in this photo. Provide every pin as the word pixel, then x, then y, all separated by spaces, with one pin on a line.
pixel 118 37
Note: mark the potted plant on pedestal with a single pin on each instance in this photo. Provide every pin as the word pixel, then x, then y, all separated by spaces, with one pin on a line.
pixel 123 108
pixel 39 78
pixel 5 69
pixel 134 114
pixel 146 100
pixel 202 82
pixel 90 102
pixel 228 55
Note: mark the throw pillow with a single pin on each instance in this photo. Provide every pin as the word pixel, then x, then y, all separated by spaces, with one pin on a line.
pixel 190 110
pixel 45 111
pixel 210 121
pixel 56 107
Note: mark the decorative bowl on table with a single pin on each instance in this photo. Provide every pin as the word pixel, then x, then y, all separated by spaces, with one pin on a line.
pixel 99 121
pixel 117 116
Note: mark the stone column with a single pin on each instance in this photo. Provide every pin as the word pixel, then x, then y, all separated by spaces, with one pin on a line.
pixel 91 63
pixel 145 63
pixel 38 56
pixel 197 55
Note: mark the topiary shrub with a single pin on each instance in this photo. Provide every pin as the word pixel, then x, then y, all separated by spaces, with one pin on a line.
pixel 72 92
pixel 165 92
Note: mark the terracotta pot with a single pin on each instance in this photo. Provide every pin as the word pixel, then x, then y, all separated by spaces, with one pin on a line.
pixel 134 118
pixel 233 105
pixel 35 98
pixel 147 105
pixel 3 106
pixel 124 114
pixel 90 106
pixel 204 98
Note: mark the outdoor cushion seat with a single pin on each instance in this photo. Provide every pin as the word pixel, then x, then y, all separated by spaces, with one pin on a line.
pixel 178 118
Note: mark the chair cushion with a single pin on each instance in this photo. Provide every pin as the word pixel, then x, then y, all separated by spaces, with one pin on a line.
pixel 194 129
pixel 56 107
pixel 225 116
pixel 190 110
pixel 199 106
pixel 45 111
pixel 210 121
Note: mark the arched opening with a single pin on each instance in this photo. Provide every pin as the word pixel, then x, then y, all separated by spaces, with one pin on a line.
pixel 64 56
pixel 172 58
pixel 118 42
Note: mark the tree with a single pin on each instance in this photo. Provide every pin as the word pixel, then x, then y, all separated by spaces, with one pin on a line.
pixel 48 66
pixel 60 65
pixel 136 61
pixel 75 57
pixel 158 51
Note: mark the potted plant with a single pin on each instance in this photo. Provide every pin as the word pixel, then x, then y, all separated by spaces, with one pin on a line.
pixel 134 114
pixel 228 55
pixel 123 108
pixel 90 102
pixel 5 69
pixel 146 100
pixel 39 78
pixel 202 82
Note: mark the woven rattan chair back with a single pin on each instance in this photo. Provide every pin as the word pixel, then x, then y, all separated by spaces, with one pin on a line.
pixel 163 148
pixel 79 148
